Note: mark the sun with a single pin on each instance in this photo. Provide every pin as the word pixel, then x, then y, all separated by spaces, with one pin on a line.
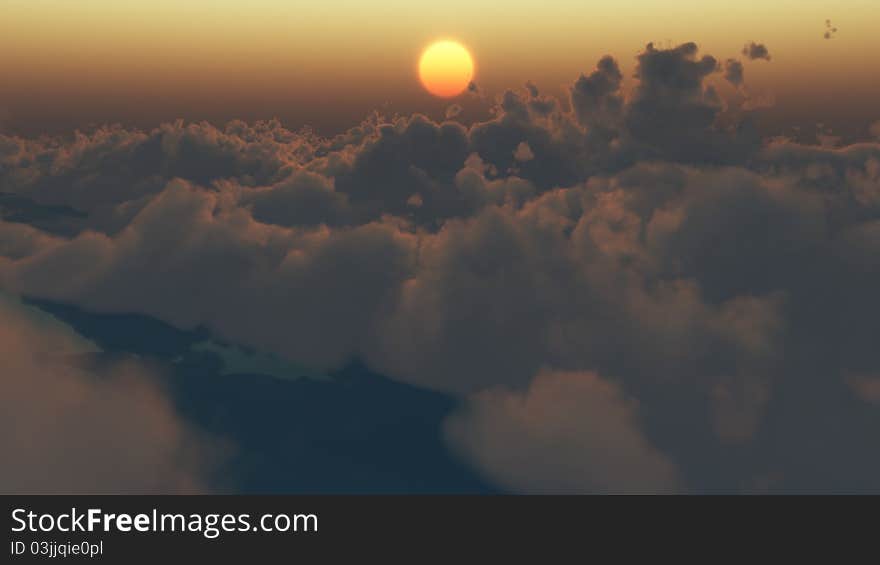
pixel 446 68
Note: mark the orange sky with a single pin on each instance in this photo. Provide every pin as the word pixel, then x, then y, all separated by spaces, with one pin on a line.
pixel 74 61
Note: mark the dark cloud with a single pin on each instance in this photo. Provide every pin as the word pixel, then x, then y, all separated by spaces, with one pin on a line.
pixel 721 285
pixel 755 51
pixel 733 72
pixel 543 106
pixel 596 99
pixel 302 199
pixel 412 156
pixel 533 90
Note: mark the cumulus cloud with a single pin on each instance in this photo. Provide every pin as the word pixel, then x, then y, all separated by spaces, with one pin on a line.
pixel 649 237
pixel 733 72
pixel 597 95
pixel 568 433
pixel 73 429
pixel 673 113
pixel 755 51
pixel 301 199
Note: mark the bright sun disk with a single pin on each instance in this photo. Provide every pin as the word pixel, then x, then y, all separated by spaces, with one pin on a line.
pixel 446 68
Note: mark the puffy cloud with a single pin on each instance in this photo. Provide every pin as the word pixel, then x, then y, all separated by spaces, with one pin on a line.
pixel 413 156
pixel 568 433
pixel 114 165
pixel 76 429
pixel 755 51
pixel 733 72
pixel 596 98
pixel 184 254
pixel 302 199
pixel 673 114
pixel 566 280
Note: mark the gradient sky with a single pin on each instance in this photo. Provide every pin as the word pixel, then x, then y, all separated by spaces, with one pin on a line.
pixel 73 62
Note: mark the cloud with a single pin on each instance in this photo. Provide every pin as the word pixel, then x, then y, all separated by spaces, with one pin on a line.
pixel 523 152
pixel 596 98
pixel 733 72
pixel 453 111
pixel 568 433
pixel 725 281
pixel 755 51
pixel 302 199
pixel 875 129
pixel 673 114
pixel 76 429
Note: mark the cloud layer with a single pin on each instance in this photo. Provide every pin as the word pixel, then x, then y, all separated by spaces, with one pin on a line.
pixel 724 283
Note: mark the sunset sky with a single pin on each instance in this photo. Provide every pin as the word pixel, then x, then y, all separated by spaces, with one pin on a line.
pixel 626 246
pixel 325 64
